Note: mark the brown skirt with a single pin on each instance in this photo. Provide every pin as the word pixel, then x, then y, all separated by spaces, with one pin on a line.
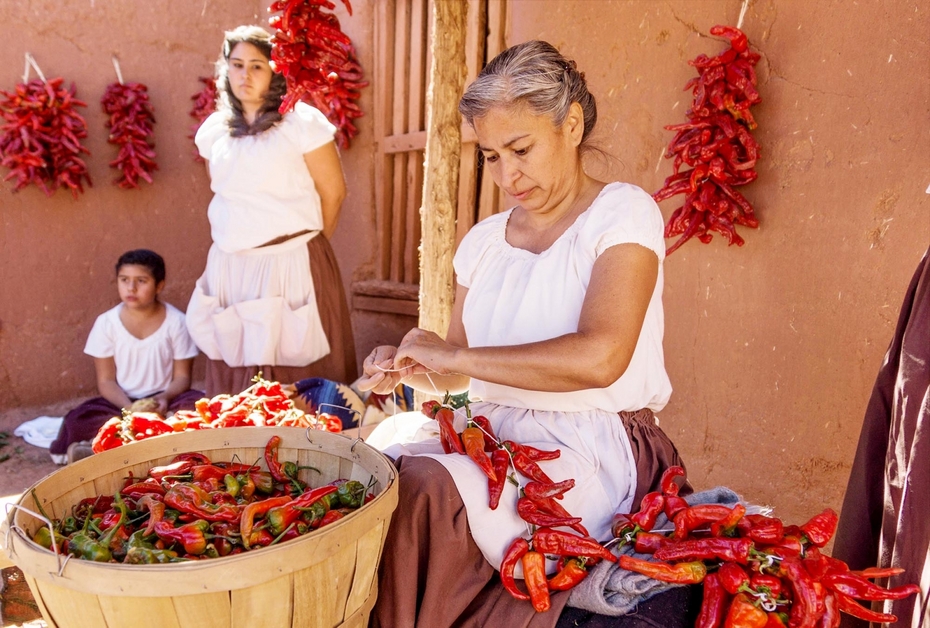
pixel 432 574
pixel 338 365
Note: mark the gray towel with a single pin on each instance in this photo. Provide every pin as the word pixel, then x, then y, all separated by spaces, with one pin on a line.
pixel 610 590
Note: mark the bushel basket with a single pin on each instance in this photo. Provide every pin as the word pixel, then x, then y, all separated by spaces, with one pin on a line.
pixel 325 578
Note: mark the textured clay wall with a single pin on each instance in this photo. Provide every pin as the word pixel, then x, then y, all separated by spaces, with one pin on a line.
pixel 57 254
pixel 773 348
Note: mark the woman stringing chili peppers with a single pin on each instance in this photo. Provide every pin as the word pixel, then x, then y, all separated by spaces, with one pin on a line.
pixel 271 297
pixel 557 328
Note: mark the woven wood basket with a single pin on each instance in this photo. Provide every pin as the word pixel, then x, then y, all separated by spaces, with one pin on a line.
pixel 325 578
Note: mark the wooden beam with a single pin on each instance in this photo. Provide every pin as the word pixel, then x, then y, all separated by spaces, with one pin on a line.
pixel 443 150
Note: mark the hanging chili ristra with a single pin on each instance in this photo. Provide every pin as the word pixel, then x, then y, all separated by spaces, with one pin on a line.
pixel 131 121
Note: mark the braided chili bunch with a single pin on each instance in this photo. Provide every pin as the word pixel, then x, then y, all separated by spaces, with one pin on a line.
pixel 204 105
pixel 131 121
pixel 717 145
pixel 42 133
pixel 318 61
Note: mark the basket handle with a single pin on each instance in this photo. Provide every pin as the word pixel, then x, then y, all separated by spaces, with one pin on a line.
pixel 15 528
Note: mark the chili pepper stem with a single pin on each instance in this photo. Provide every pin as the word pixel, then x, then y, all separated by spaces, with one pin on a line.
pixel 280 536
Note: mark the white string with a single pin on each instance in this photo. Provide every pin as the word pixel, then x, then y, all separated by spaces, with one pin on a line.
pixel 742 14
pixel 119 75
pixel 31 61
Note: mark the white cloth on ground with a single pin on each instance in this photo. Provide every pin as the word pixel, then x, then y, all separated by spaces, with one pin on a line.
pixel 144 366
pixel 40 431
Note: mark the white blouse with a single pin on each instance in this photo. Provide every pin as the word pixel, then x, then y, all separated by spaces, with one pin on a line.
pixel 262 188
pixel 144 366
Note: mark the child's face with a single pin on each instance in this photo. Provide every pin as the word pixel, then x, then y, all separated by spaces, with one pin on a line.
pixel 137 286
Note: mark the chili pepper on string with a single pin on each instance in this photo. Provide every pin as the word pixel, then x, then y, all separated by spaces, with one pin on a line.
pixel 534 576
pixel 862 589
pixel 678 573
pixel 473 441
pixel 744 614
pixel 667 483
pixel 695 516
pixel 879 572
pixel 529 468
pixel 318 62
pixel 444 416
pixel 548 506
pixel 820 528
pixel 490 440
pixel 650 508
pixel 727 525
pixel 806 603
pixel 649 542
pixel 500 461
pixel 776 620
pixel 131 121
pixel 573 571
pixel 515 553
pixel 530 512
pixel 733 578
pixel 534 454
pixel 831 615
pixel 549 541
pixel 674 505
pixel 766 583
pixel 555 490
pixel 204 105
pixel 724 548
pixel 761 529
pixel 849 606
pixel 714 603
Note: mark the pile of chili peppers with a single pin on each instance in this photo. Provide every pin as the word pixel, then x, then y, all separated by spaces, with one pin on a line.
pixel 195 508
pixel 262 404
pixel 318 61
pixel 204 105
pixel 537 504
pixel 717 145
pixel 756 571
pixel 131 123
pixel 42 133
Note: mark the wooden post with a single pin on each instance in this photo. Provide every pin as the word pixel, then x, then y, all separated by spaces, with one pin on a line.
pixel 441 165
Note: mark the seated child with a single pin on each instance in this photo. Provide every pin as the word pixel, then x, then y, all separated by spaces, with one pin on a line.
pixel 142 354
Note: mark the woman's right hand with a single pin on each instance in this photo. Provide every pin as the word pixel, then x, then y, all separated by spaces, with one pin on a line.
pixel 379 375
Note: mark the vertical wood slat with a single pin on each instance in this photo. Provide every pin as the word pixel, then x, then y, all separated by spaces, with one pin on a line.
pixel 468 168
pixel 399 126
pixel 416 108
pixel 384 164
pixel 490 198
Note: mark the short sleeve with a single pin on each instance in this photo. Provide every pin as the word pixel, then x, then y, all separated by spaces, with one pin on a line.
pixel 475 245
pixel 309 128
pixel 182 344
pixel 626 214
pixel 211 130
pixel 100 341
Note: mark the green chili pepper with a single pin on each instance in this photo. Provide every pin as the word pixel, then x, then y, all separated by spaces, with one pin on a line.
pixel 351 494
pixel 150 556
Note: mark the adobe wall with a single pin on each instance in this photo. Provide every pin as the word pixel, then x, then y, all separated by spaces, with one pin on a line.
pixel 773 348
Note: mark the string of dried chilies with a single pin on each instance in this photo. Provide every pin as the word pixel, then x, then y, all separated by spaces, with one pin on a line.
pixel 318 61
pixel 717 145
pixel 131 122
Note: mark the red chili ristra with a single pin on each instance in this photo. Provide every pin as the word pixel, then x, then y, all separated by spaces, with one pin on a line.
pixel 204 105
pixel 131 121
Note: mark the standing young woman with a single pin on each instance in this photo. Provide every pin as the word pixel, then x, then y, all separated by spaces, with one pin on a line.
pixel 271 297
pixel 557 328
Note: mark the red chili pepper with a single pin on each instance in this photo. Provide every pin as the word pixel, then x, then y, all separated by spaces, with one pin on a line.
pixel 668 484
pixel 517 550
pixel 473 440
pixel 862 589
pixel 529 511
pixel 192 536
pixel 849 606
pixel 561 543
pixel 805 603
pixel 191 499
pixel 331 517
pixel 650 508
pixel 549 506
pixel 556 490
pixel 733 577
pixel 444 417
pixel 831 615
pixel 765 582
pixel 490 440
pixel 679 573
pixel 819 530
pixel 108 436
pixel 280 517
pixel 175 469
pixel 674 505
pixel 744 614
pixel 572 572
pixel 727 525
pixel 534 576
pixel 250 511
pixel 776 620
pixel 879 572
pixel 649 542
pixel 534 454
pixel 762 529
pixel 500 460
pixel 142 488
pixel 204 105
pixel 714 603
pixel 131 123
pixel 528 468
pixel 271 460
pixel 695 516
pixel 728 549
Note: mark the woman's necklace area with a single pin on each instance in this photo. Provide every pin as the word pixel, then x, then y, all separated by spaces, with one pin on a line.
pixel 524 235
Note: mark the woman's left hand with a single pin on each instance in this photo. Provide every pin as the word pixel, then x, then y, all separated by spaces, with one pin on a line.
pixel 423 351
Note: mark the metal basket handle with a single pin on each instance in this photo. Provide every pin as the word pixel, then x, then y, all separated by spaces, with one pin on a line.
pixel 11 528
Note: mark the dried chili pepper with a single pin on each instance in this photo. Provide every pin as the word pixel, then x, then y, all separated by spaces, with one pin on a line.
pixel 526 466
pixel 674 505
pixel 679 573
pixel 572 572
pixel 517 550
pixel 806 603
pixel 541 490
pixel 727 549
pixel 714 603
pixel 533 453
pixel 534 576
pixel 318 61
pixel 490 440
pixel 819 530
pixel 862 589
pixel 529 511
pixel 204 105
pixel 561 543
pixel 695 516
pixel 500 460
pixel 733 577
pixel 849 606
pixel 473 440
pixel 649 542
pixel 667 483
pixel 744 614
pixel 131 121
pixel 766 583
pixel 651 506
pixel 727 525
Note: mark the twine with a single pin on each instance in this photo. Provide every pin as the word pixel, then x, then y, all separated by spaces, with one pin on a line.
pixel 119 75
pixel 30 61
pixel 742 14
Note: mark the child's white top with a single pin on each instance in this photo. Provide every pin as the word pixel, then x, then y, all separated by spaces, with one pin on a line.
pixel 262 188
pixel 143 366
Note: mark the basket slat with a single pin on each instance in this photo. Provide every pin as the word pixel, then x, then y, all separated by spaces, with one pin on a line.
pixel 325 578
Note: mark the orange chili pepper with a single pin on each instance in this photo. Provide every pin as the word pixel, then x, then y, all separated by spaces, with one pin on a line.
pixel 473 439
pixel 534 575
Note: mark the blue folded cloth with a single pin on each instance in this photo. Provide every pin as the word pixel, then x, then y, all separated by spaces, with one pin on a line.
pixel 327 396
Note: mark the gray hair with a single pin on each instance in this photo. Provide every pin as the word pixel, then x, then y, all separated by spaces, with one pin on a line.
pixel 536 74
